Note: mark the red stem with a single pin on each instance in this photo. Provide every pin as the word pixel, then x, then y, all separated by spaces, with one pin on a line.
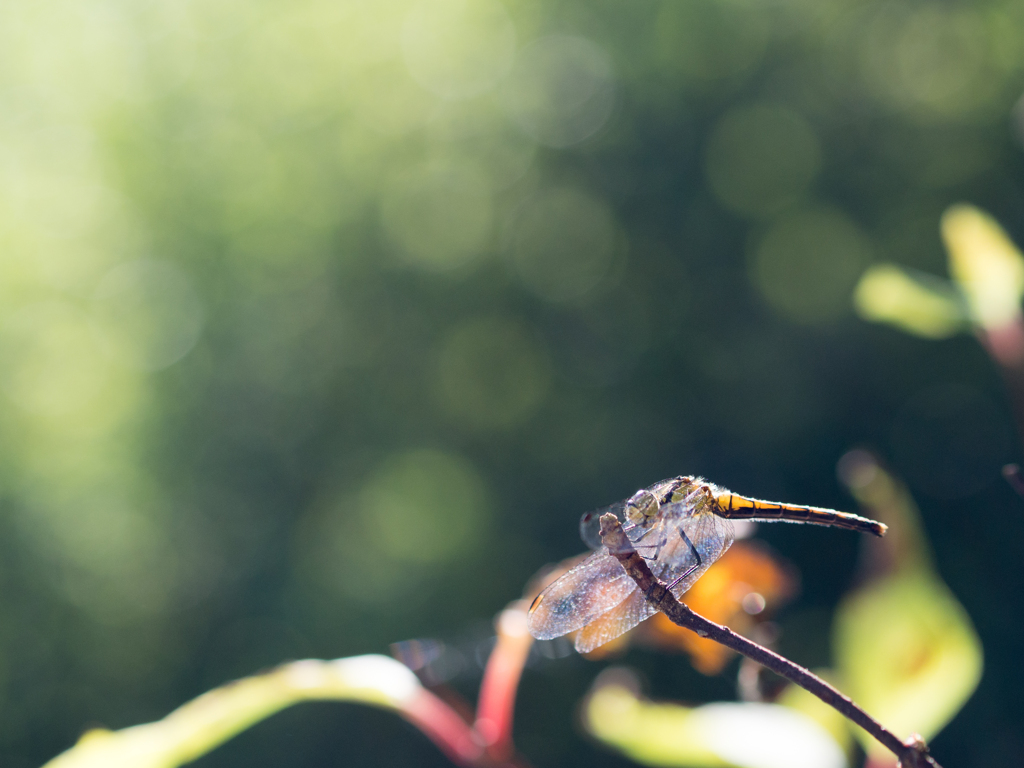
pixel 497 700
pixel 443 726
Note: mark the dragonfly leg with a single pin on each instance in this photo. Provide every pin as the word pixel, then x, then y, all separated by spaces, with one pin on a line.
pixel 656 547
pixel 692 568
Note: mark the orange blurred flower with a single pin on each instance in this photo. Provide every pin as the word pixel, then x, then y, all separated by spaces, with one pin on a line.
pixel 741 585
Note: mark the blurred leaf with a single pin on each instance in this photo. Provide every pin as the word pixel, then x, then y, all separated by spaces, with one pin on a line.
pixel 988 267
pixel 908 654
pixel 204 723
pixel 742 735
pixel 988 270
pixel 904 646
pixel 931 308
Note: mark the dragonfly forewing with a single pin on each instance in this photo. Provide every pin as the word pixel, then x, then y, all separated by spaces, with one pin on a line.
pixel 592 588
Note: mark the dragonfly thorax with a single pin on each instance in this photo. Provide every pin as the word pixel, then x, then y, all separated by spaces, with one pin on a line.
pixel 641 507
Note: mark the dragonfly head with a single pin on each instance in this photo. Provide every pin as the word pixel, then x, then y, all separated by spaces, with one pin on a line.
pixel 641 507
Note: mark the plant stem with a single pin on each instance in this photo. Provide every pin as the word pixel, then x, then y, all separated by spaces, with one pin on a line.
pixel 497 699
pixel 912 753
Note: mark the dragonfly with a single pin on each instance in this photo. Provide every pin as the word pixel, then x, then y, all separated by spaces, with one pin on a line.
pixel 680 526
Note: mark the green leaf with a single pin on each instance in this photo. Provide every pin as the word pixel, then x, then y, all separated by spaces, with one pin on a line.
pixel 907 652
pixel 904 647
pixel 985 263
pixel 919 304
pixel 204 723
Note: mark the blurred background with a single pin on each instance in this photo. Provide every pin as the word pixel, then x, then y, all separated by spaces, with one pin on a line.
pixel 322 322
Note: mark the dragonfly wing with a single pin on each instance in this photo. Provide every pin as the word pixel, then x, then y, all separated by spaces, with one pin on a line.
pixel 684 543
pixel 694 539
pixel 592 588
pixel 615 622
pixel 590 523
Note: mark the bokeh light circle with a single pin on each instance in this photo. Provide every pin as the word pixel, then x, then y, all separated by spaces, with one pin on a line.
pixel 439 215
pixel 458 48
pixel 930 60
pixel 807 264
pixel 491 374
pixel 563 243
pixel 415 512
pixel 561 90
pixel 146 314
pixel 760 158
pixel 422 506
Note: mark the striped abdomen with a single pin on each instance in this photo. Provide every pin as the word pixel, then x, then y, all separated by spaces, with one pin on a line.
pixel 738 507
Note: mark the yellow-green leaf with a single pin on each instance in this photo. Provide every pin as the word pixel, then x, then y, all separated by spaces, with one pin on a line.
pixel 931 308
pixel 985 263
pixel 907 653
pixel 203 723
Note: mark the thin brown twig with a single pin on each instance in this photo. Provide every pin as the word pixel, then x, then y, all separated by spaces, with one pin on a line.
pixel 912 753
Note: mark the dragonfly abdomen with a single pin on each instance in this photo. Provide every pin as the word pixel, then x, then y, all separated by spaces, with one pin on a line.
pixel 736 507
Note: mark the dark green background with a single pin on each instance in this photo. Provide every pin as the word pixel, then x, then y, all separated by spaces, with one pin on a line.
pixel 307 347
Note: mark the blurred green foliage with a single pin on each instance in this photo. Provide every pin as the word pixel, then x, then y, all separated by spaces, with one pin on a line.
pixel 988 271
pixel 905 649
pixel 202 724
pixel 321 322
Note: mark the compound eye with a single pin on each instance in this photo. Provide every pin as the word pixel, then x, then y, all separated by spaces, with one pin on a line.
pixel 641 506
